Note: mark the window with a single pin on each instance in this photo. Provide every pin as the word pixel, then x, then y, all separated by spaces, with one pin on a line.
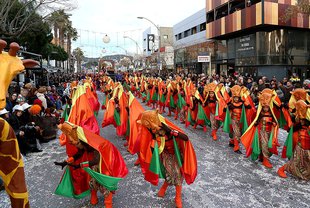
pixel 176 37
pixel 210 16
pixel 202 27
pixel 222 11
pixel 236 5
pixel 179 36
pixel 165 37
pixel 186 33
pixel 254 2
pixel 194 30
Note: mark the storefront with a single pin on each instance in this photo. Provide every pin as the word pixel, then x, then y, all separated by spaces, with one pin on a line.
pixel 277 53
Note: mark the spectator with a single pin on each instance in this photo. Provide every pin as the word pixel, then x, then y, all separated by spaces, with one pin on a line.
pixel 249 83
pixel 41 96
pixel 11 101
pixel 306 84
pixel 261 85
pixel 4 114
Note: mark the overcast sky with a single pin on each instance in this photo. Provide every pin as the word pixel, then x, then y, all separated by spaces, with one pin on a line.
pixel 116 18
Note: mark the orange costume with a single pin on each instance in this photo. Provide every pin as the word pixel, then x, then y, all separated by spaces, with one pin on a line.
pixel 165 152
pixel 236 119
pixel 11 163
pixel 260 139
pixel 297 145
pixel 101 162
pixel 214 106
pixel 116 112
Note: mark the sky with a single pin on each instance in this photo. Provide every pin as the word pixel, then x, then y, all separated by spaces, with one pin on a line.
pixel 117 18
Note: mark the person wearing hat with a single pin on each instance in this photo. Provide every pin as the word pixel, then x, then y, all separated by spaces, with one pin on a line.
pixel 162 146
pixel 15 120
pixel 4 114
pixel 20 99
pixel 25 118
pixel 297 145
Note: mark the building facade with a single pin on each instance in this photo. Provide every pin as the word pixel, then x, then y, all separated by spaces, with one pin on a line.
pixel 190 42
pixel 151 45
pixel 252 38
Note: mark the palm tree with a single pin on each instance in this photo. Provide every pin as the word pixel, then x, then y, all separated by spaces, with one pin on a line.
pixel 70 34
pixel 78 55
pixel 63 29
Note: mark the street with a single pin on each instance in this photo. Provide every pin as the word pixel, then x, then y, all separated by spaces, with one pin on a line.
pixel 225 179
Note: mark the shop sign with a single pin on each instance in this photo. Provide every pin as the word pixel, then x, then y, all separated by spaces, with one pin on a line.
pixel 203 58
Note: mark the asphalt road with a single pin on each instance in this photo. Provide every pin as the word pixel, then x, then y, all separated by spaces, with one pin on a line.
pixel 224 179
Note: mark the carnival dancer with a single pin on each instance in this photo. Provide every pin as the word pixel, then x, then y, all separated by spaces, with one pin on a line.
pixel 297 145
pixel 165 152
pixel 172 97
pixel 235 122
pixel 212 108
pixel 91 94
pixel 260 139
pixel 149 89
pixel 116 113
pixel 296 95
pixel 143 90
pixel 154 95
pixel 181 105
pixel 162 89
pixel 102 162
pixel 107 94
pixel 135 111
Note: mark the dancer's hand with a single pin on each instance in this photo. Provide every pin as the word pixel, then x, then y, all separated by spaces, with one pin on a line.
pixel 165 128
pixel 62 164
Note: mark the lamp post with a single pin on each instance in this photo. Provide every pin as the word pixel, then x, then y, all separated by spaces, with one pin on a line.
pixel 158 51
pixel 137 45
pixel 122 48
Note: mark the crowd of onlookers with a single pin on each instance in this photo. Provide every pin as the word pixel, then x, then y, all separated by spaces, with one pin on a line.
pixel 32 113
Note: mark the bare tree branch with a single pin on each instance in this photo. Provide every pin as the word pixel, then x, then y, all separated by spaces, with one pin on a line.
pixel 13 27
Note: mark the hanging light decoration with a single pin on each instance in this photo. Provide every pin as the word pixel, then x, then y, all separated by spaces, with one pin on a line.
pixel 106 39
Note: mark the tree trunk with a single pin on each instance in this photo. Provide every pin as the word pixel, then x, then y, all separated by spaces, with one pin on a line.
pixel 56 35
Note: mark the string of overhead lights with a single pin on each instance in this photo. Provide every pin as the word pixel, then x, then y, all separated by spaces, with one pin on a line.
pixel 95 41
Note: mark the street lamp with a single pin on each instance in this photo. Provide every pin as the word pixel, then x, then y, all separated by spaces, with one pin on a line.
pixel 123 49
pixel 159 41
pixel 137 45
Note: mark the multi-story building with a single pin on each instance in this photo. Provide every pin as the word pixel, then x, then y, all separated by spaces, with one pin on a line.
pixel 151 44
pixel 190 42
pixel 252 37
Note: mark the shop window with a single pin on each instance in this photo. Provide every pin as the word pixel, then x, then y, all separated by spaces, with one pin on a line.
pixel 210 16
pixel 194 30
pixel 236 5
pixel 222 11
pixel 202 27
